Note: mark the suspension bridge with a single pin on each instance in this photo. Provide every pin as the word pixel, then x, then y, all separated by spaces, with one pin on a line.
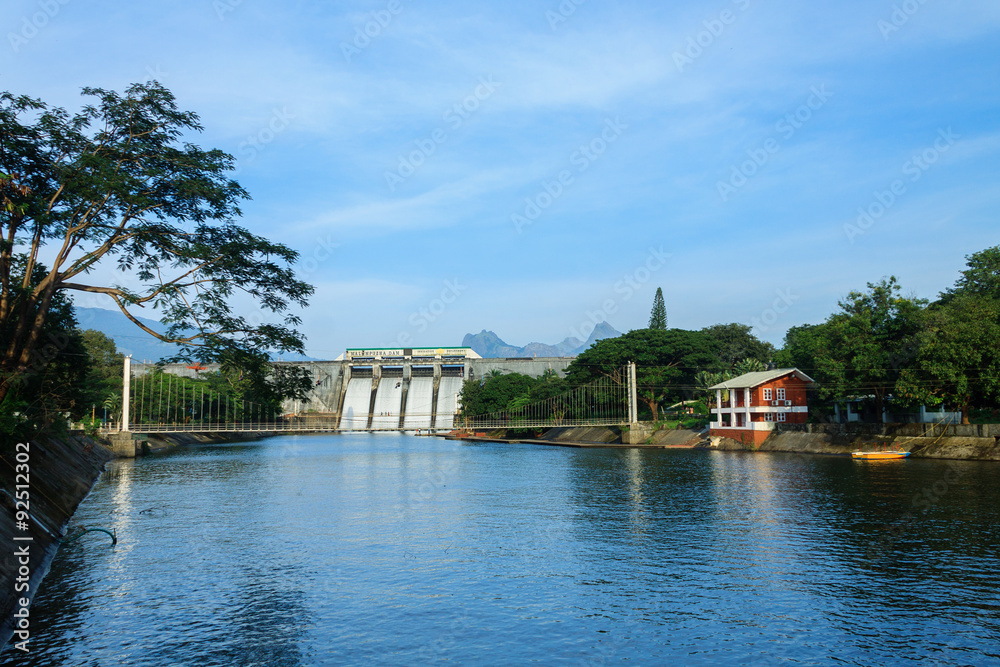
pixel 154 401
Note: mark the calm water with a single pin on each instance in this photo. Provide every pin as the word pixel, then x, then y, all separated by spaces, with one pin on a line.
pixel 392 549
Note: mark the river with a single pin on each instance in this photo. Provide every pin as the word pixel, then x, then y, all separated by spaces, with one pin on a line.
pixel 402 550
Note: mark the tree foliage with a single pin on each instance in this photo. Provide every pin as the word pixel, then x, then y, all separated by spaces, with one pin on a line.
pixel 958 351
pixel 496 393
pixel 117 186
pixel 51 384
pixel 803 347
pixel 666 362
pixel 736 342
pixel 981 279
pixel 105 365
pixel 658 315
pixel 870 342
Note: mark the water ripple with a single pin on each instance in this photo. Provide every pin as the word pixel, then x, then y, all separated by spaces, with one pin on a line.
pixel 401 550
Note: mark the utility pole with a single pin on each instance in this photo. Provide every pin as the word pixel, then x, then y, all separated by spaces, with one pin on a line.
pixel 126 386
pixel 633 410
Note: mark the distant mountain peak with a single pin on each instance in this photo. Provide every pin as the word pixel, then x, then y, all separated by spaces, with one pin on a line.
pixel 489 345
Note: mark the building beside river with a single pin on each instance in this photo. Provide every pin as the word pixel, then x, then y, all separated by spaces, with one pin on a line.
pixel 748 406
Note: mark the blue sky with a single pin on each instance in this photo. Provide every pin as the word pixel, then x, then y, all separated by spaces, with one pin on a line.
pixel 535 167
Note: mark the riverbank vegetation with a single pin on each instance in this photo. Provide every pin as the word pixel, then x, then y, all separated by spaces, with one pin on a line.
pixel 883 350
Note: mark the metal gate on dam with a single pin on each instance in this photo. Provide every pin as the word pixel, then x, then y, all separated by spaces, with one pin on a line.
pixel 391 389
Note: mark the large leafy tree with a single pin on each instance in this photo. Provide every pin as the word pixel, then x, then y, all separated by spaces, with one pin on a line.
pixel 981 278
pixel 735 342
pixel 958 361
pixel 871 341
pixel 118 186
pixel 804 346
pixel 53 382
pixel 103 381
pixel 495 393
pixel 666 362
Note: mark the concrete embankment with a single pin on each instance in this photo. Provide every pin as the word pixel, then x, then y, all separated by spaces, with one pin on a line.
pixel 975 442
pixel 163 441
pixel 642 436
pixel 58 475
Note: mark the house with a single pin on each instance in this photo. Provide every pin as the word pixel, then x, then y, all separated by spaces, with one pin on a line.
pixel 860 408
pixel 757 401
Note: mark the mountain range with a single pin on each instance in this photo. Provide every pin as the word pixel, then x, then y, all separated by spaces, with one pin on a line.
pixel 130 339
pixel 487 344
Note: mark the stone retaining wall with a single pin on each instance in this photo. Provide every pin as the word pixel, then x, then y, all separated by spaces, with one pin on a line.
pixel 61 474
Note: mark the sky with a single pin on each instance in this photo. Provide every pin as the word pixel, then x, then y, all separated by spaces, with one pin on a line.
pixel 533 168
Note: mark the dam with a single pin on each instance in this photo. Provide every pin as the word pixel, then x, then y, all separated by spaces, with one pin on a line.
pixel 392 389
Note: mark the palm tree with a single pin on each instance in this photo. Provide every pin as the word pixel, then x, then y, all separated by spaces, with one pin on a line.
pixel 113 403
pixel 705 379
pixel 748 365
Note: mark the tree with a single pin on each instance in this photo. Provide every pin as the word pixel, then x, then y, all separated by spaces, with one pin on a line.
pixel 116 185
pixel 871 341
pixel 958 360
pixel 735 342
pixel 495 393
pixel 49 388
pixel 666 362
pixel 803 346
pixel 748 365
pixel 105 365
pixel 658 316
pixel 981 279
pixel 704 380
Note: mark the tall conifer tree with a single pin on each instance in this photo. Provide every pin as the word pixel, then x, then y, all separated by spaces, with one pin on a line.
pixel 658 316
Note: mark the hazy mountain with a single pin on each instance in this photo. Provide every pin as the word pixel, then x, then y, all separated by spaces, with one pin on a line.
pixel 600 332
pixel 488 344
pixel 130 339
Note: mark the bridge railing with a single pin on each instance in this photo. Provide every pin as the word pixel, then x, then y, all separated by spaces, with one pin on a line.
pixel 249 426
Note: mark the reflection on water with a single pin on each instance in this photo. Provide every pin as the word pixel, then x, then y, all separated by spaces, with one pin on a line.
pixel 393 549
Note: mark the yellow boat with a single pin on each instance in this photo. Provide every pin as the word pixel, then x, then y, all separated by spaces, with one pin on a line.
pixel 879 456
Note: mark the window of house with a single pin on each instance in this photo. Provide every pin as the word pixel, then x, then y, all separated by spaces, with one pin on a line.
pixel 781 393
pixel 769 417
pixel 767 394
pixel 781 416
